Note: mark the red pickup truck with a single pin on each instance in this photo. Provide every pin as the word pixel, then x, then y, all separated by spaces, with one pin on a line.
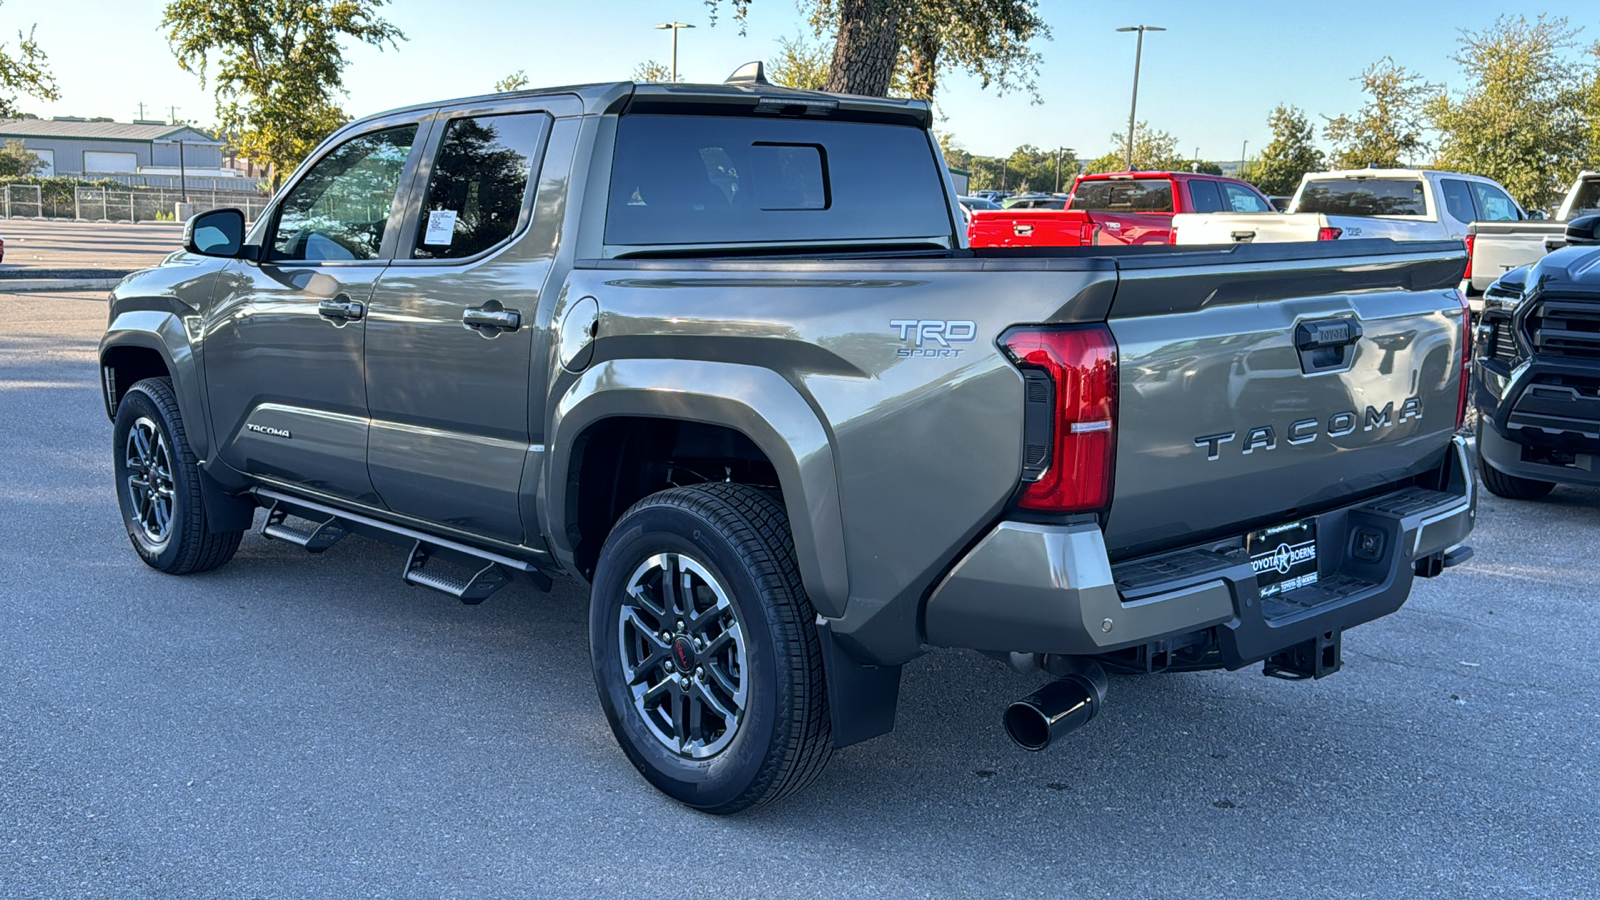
pixel 1116 208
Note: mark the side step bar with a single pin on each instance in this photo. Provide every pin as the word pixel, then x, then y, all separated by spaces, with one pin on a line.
pixel 490 571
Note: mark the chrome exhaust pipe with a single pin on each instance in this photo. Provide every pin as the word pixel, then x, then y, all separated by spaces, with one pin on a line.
pixel 1060 707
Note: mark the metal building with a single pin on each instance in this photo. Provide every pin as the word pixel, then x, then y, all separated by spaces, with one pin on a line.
pixel 94 148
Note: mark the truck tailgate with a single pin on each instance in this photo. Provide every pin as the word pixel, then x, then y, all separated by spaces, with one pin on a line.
pixel 1225 425
pixel 1030 228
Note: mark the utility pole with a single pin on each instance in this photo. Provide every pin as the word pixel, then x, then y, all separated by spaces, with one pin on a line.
pixel 1059 152
pixel 1138 56
pixel 674 26
pixel 183 174
pixel 1244 157
pixel 141 110
pixel 174 111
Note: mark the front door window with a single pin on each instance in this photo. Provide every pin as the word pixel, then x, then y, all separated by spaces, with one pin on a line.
pixel 340 209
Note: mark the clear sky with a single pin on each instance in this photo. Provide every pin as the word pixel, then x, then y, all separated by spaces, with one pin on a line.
pixel 1211 79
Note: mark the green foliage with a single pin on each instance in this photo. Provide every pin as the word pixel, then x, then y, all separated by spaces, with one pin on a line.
pixel 17 161
pixel 1028 168
pixel 1591 109
pixel 652 71
pixel 25 72
pixel 516 81
pixel 800 64
pixel 906 46
pixel 1292 153
pixel 1521 119
pixel 279 67
pixel 1152 151
pixel 1387 132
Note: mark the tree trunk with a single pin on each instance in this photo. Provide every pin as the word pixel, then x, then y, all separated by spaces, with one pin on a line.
pixel 868 42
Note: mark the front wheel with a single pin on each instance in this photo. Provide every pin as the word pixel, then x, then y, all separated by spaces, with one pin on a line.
pixel 158 485
pixel 705 652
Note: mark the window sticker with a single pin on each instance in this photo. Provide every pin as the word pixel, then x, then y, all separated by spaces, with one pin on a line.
pixel 441 228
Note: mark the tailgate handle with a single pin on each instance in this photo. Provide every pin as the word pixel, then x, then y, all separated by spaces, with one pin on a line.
pixel 1242 237
pixel 1551 244
pixel 1022 230
pixel 1327 345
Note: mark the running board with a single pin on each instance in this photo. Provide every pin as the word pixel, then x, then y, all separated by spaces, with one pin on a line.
pixel 316 540
pixel 474 589
pixel 490 571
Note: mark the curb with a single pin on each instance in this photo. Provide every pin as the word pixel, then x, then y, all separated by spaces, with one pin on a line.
pixel 19 285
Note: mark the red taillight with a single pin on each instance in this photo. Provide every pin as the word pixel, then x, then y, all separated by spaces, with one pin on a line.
pixel 1086 234
pixel 1466 360
pixel 1329 234
pixel 1471 239
pixel 1081 362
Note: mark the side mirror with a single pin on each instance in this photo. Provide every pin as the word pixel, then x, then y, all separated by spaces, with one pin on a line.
pixel 1536 215
pixel 219 232
pixel 1583 231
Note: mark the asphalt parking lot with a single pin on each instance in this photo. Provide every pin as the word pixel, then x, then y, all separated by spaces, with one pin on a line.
pixel 58 244
pixel 293 726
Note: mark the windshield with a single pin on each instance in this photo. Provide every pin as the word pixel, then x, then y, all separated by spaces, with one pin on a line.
pixel 1141 195
pixel 1588 198
pixel 1364 197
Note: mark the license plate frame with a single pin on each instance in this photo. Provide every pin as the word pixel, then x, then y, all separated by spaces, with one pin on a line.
pixel 1283 557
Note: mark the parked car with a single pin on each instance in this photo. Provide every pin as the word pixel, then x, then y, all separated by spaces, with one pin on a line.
pixel 1403 204
pixel 789 437
pixel 1537 371
pixel 1497 245
pixel 1116 208
pixel 977 203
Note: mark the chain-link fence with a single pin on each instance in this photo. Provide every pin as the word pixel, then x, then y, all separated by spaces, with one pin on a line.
pixel 23 200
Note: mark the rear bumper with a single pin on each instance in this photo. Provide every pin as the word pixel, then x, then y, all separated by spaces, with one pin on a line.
pixel 1051 589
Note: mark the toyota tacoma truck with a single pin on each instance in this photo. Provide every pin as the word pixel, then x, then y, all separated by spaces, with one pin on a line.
pixel 672 343
pixel 1497 245
pixel 1113 209
pixel 1401 204
pixel 1536 378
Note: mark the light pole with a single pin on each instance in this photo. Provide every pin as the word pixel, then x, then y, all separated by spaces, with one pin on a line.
pixel 1138 55
pixel 674 26
pixel 1244 156
pixel 1059 152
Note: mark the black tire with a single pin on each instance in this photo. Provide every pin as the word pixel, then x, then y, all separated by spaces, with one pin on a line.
pixel 186 544
pixel 1511 487
pixel 739 536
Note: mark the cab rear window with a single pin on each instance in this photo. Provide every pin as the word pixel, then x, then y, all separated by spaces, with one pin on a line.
pixel 1364 197
pixel 1131 195
pixel 679 180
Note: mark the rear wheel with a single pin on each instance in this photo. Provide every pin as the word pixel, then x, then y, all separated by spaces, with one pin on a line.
pixel 158 485
pixel 705 654
pixel 1512 487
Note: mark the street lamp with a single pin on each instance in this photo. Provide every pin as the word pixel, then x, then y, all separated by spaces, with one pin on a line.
pixel 1138 54
pixel 1059 152
pixel 674 26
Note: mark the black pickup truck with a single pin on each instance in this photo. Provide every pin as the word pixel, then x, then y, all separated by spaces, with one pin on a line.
pixel 1536 381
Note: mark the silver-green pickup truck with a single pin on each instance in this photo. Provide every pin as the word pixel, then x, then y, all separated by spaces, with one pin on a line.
pixel 719 353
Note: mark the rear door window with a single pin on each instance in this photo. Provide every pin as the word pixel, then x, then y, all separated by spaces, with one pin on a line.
pixel 1588 197
pixel 1458 199
pixel 1243 200
pixel 1493 204
pixel 476 189
pixel 1124 195
pixel 1364 197
pixel 1204 197
pixel 740 179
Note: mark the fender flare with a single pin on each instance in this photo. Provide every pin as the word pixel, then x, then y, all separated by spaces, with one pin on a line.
pixel 753 401
pixel 164 333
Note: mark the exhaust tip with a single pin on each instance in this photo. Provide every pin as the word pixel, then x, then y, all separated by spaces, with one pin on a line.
pixel 1027 725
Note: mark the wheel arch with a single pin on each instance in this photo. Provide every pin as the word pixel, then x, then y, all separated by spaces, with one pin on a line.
pixel 755 404
pixel 126 356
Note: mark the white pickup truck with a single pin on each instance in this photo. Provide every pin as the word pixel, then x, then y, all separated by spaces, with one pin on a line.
pixel 1497 247
pixel 1402 204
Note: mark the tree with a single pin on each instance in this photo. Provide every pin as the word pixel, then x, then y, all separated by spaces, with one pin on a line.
pixel 1387 132
pixel 1521 119
pixel 1152 151
pixel 1291 154
pixel 922 40
pixel 516 81
pixel 279 67
pixel 1591 108
pixel 26 72
pixel 800 64
pixel 652 71
pixel 17 161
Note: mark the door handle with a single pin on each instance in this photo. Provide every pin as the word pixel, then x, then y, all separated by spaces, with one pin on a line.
pixel 341 307
pixel 492 316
